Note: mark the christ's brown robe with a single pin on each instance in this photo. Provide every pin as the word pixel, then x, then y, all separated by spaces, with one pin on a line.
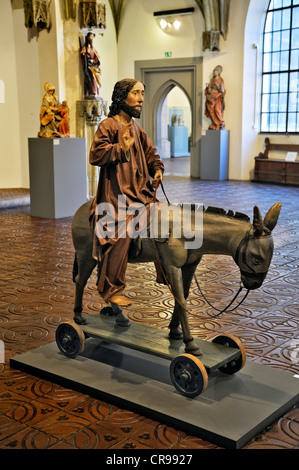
pixel 122 174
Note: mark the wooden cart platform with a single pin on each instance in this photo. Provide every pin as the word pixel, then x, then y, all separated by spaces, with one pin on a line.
pixel 188 373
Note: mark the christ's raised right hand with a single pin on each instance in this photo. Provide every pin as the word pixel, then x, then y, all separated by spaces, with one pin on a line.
pixel 128 137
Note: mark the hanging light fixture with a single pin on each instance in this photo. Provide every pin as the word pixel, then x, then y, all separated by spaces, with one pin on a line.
pixel 163 23
pixel 177 23
pixel 171 19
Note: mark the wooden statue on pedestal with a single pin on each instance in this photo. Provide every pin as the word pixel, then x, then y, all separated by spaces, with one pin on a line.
pixel 90 60
pixel 54 116
pixel 215 103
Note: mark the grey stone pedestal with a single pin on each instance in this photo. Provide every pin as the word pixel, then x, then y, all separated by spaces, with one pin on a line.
pixel 58 180
pixel 214 155
pixel 230 412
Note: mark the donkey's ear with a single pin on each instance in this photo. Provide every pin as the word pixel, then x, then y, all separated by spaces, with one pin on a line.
pixel 272 215
pixel 257 222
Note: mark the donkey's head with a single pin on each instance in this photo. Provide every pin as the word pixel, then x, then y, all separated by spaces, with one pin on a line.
pixel 254 253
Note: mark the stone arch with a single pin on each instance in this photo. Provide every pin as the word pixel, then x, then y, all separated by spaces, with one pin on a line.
pixel 159 77
pixel 160 96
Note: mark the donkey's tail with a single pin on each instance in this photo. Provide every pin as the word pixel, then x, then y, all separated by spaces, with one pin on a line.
pixel 75 268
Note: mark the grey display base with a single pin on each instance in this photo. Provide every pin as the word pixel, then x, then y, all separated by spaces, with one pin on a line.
pixel 231 411
pixel 58 179
pixel 214 155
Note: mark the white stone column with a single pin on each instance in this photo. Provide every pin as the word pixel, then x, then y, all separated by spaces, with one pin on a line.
pixel 89 113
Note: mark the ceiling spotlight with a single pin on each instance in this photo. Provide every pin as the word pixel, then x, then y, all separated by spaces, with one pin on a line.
pixel 163 24
pixel 172 18
pixel 177 24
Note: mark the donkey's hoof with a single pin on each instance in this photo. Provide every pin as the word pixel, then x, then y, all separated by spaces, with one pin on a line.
pixel 108 311
pixel 193 349
pixel 176 333
pixel 121 320
pixel 195 352
pixel 80 319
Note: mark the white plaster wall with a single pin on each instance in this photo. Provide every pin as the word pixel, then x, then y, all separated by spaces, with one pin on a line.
pixel 141 38
pixel 106 46
pixel 72 70
pixel 10 156
pixel 28 90
pixel 35 59
pixel 27 62
pixel 231 59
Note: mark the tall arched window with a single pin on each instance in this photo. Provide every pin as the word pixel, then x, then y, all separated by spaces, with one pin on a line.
pixel 280 89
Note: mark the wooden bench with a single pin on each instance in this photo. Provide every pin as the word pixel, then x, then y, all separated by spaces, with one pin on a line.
pixel 269 170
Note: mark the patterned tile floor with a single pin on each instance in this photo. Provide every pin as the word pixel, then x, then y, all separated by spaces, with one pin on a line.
pixel 37 293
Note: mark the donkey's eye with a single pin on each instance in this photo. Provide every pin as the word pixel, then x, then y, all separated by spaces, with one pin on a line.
pixel 257 260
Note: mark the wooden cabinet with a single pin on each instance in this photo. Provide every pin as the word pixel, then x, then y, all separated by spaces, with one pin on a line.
pixel 276 171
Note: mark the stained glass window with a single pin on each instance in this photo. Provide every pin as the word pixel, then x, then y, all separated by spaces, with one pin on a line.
pixel 280 84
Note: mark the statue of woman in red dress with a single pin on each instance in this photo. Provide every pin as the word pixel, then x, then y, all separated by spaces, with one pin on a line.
pixel 215 103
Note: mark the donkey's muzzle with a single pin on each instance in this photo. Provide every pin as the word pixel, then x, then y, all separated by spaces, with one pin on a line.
pixel 252 281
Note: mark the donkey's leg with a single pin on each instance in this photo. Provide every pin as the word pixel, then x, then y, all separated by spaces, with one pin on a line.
pixel 187 276
pixel 175 331
pixel 176 281
pixel 85 268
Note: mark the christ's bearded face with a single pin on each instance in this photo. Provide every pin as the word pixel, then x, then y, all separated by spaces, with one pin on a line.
pixel 134 101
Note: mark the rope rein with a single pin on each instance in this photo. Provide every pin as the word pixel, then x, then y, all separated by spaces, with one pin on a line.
pixel 225 310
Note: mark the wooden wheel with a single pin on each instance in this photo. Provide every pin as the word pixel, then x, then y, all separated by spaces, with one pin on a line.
pixel 70 339
pixel 188 375
pixel 231 341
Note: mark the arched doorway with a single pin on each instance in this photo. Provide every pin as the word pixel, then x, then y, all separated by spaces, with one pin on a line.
pixel 175 132
pixel 160 77
pixel 175 113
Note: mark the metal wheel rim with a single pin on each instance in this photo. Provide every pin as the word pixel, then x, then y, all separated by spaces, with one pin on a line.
pixel 188 375
pixel 231 341
pixel 68 339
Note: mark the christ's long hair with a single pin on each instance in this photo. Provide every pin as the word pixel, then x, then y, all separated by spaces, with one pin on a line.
pixel 120 93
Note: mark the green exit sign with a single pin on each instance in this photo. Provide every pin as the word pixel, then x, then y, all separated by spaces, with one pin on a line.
pixel 168 54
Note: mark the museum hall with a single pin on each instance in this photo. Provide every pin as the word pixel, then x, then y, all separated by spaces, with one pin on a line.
pixel 186 338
